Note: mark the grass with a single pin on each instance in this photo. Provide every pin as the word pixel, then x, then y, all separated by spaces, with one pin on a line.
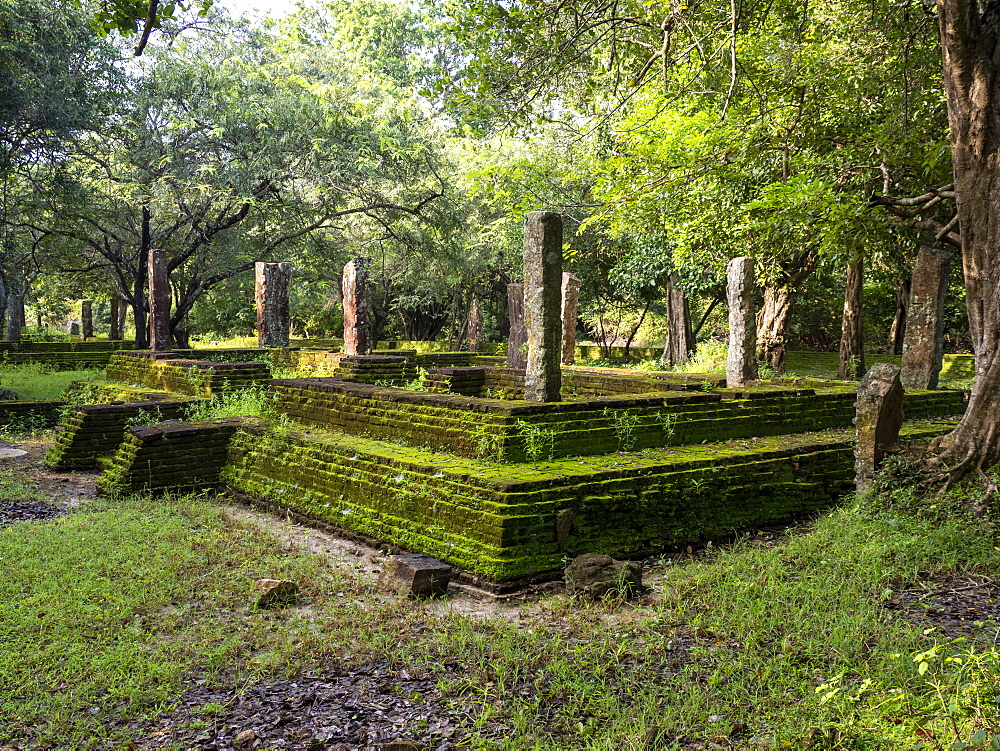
pixel 37 382
pixel 107 613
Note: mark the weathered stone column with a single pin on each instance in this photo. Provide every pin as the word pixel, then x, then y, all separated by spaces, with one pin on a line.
pixel 680 337
pixel 474 326
pixel 73 327
pixel 570 301
pixel 542 314
pixel 118 309
pixel 159 301
pixel 87 319
pixel 923 345
pixel 741 364
pixel 356 307
pixel 517 342
pixel 272 282
pixel 878 419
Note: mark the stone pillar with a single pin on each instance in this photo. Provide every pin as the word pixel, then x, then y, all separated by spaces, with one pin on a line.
pixel 272 282
pixel 73 327
pixel 159 301
pixel 570 301
pixel 923 345
pixel 118 309
pixel 542 308
pixel 741 364
pixel 474 326
pixel 87 319
pixel 517 343
pixel 356 307
pixel 878 419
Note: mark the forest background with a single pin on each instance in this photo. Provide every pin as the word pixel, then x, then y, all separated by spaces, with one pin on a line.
pixel 419 134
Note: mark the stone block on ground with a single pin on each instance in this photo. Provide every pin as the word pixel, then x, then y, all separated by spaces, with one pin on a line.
pixel 274 592
pixel 415 575
pixel 597 575
pixel 878 420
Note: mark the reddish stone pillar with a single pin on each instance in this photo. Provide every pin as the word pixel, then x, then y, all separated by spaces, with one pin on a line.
pixel 474 327
pixel 355 307
pixel 542 306
pixel 87 319
pixel 159 301
pixel 741 363
pixel 272 282
pixel 570 301
pixel 517 343
pixel 923 345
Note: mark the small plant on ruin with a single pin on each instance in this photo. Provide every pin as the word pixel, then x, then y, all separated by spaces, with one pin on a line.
pixel 539 442
pixel 145 417
pixel 417 384
pixel 253 401
pixel 498 393
pixel 488 442
pixel 668 423
pixel 624 424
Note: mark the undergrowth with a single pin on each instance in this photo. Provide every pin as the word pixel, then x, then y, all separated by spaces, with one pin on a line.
pixel 770 642
pixel 39 382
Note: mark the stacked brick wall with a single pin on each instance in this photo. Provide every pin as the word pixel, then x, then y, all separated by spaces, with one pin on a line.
pixel 163 370
pixel 505 431
pixel 92 430
pixel 59 355
pixel 501 522
pixel 27 416
pixel 170 455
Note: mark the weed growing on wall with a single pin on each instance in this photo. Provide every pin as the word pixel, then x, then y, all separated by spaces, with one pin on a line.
pixel 539 442
pixel 668 423
pixel 254 401
pixel 488 442
pixel 624 424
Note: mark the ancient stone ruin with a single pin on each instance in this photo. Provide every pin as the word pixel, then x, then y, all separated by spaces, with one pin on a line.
pixel 159 301
pixel 501 473
pixel 543 305
pixel 878 420
pixel 741 363
pixel 355 307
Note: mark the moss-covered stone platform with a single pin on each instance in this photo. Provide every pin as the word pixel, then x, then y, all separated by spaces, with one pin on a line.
pixel 627 464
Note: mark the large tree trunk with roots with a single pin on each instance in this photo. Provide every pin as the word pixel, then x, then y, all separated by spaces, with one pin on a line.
pixel 969 45
pixel 852 340
pixel 772 322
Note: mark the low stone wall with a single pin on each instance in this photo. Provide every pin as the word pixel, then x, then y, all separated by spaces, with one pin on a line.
pixel 508 522
pixel 59 355
pixel 93 430
pixel 509 431
pixel 183 455
pixel 508 383
pixel 26 416
pixel 165 371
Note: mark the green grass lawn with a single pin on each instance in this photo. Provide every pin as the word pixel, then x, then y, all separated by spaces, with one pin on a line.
pixel 37 382
pixel 107 614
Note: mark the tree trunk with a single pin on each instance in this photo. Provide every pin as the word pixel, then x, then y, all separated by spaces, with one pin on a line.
pixel 852 339
pixel 680 337
pixel 971 82
pixel 772 323
pixel 15 316
pixel 897 333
